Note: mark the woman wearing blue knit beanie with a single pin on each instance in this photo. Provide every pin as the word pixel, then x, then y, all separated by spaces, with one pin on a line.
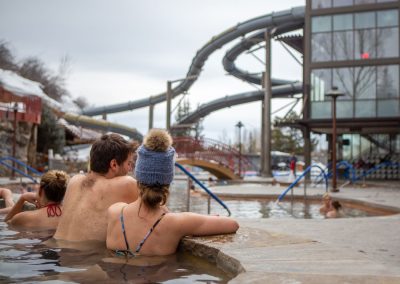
pixel 146 226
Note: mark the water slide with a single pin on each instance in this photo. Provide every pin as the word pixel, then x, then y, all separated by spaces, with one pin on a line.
pixel 283 21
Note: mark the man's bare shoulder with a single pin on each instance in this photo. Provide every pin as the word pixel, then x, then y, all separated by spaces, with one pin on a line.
pixel 122 181
pixel 78 178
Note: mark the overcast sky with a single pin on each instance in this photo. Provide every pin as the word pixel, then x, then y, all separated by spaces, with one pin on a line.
pixel 124 50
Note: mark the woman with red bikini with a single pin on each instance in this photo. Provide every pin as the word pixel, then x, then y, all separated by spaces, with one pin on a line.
pixel 47 201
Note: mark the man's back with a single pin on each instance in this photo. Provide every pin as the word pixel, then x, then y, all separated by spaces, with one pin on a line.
pixel 86 202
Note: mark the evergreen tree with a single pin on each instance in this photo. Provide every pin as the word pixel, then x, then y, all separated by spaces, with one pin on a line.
pixel 50 134
pixel 182 111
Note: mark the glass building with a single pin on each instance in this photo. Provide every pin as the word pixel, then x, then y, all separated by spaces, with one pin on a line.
pixel 354 45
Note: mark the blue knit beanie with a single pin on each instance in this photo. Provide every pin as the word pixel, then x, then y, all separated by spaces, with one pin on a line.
pixel 154 167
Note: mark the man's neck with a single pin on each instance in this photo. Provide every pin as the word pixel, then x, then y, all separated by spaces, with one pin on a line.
pixel 108 175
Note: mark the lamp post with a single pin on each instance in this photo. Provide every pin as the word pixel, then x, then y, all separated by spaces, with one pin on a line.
pixel 239 125
pixel 169 95
pixel 334 93
pixel 14 144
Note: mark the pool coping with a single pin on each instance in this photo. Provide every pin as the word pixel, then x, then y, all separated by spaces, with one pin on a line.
pixel 309 250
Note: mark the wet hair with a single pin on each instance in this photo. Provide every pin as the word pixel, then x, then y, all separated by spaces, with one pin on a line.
pixel 54 183
pixel 326 196
pixel 107 148
pixel 336 204
pixel 154 195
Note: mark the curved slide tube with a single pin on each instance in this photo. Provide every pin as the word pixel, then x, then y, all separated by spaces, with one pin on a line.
pixel 247 97
pixel 246 44
pixel 103 125
pixel 179 166
pixel 293 16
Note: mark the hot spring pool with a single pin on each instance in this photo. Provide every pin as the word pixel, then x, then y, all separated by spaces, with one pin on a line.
pixel 262 208
pixel 32 257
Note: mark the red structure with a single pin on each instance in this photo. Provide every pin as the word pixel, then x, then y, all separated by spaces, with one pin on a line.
pixel 211 150
pixel 29 107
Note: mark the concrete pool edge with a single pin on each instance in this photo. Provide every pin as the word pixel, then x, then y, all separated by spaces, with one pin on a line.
pixel 361 250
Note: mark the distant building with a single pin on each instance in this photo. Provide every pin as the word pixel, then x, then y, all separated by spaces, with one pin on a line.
pixel 354 45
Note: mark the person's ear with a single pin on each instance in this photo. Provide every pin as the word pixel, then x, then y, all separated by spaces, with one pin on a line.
pixel 40 191
pixel 113 164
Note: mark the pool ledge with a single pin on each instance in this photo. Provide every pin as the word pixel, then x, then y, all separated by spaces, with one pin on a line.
pixel 352 250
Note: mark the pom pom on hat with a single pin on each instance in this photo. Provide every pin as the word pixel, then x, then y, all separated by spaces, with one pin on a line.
pixel 155 159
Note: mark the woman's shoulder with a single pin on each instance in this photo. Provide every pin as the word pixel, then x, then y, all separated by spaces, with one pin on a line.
pixel 116 207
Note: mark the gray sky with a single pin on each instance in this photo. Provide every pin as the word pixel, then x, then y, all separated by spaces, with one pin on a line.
pixel 125 50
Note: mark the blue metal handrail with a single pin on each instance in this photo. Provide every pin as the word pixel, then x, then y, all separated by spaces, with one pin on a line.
pixel 18 170
pixel 300 177
pixel 203 187
pixel 374 169
pixel 353 178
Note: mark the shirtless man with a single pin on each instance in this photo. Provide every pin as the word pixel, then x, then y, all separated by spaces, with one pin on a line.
pixel 89 196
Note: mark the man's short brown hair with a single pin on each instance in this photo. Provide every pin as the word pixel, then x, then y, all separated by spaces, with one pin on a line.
pixel 109 147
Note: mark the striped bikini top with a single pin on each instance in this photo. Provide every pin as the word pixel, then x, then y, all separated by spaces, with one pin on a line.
pixel 128 251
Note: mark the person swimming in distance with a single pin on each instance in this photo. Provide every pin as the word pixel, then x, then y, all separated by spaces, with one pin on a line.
pixel 334 211
pixel 326 203
pixel 146 226
pixel 47 201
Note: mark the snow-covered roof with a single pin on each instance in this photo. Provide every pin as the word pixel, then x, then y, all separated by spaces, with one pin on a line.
pixel 21 86
pixel 80 132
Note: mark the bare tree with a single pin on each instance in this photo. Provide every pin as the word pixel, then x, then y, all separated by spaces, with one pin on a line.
pixel 7 60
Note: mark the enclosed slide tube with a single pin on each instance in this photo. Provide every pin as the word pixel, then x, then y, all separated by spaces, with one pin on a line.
pixel 279 20
pixel 246 44
pixel 242 98
pixel 102 125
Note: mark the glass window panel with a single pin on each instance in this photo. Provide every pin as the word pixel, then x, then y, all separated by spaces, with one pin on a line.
pixel 344 108
pixel 360 2
pixel 321 24
pixel 388 82
pixel 365 108
pixel 365 147
pixel 321 46
pixel 343 79
pixel 387 108
pixel 388 42
pixel 356 145
pixel 364 44
pixel 321 109
pixel 341 3
pixel 343 22
pixel 320 84
pixel 320 4
pixel 365 82
pixel 388 18
pixel 365 20
pixel 343 47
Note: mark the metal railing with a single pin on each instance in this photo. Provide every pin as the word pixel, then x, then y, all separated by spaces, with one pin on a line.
pixel 27 167
pixel 308 169
pixel 199 183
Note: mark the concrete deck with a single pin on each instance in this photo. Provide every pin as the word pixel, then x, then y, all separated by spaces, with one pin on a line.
pixel 344 250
